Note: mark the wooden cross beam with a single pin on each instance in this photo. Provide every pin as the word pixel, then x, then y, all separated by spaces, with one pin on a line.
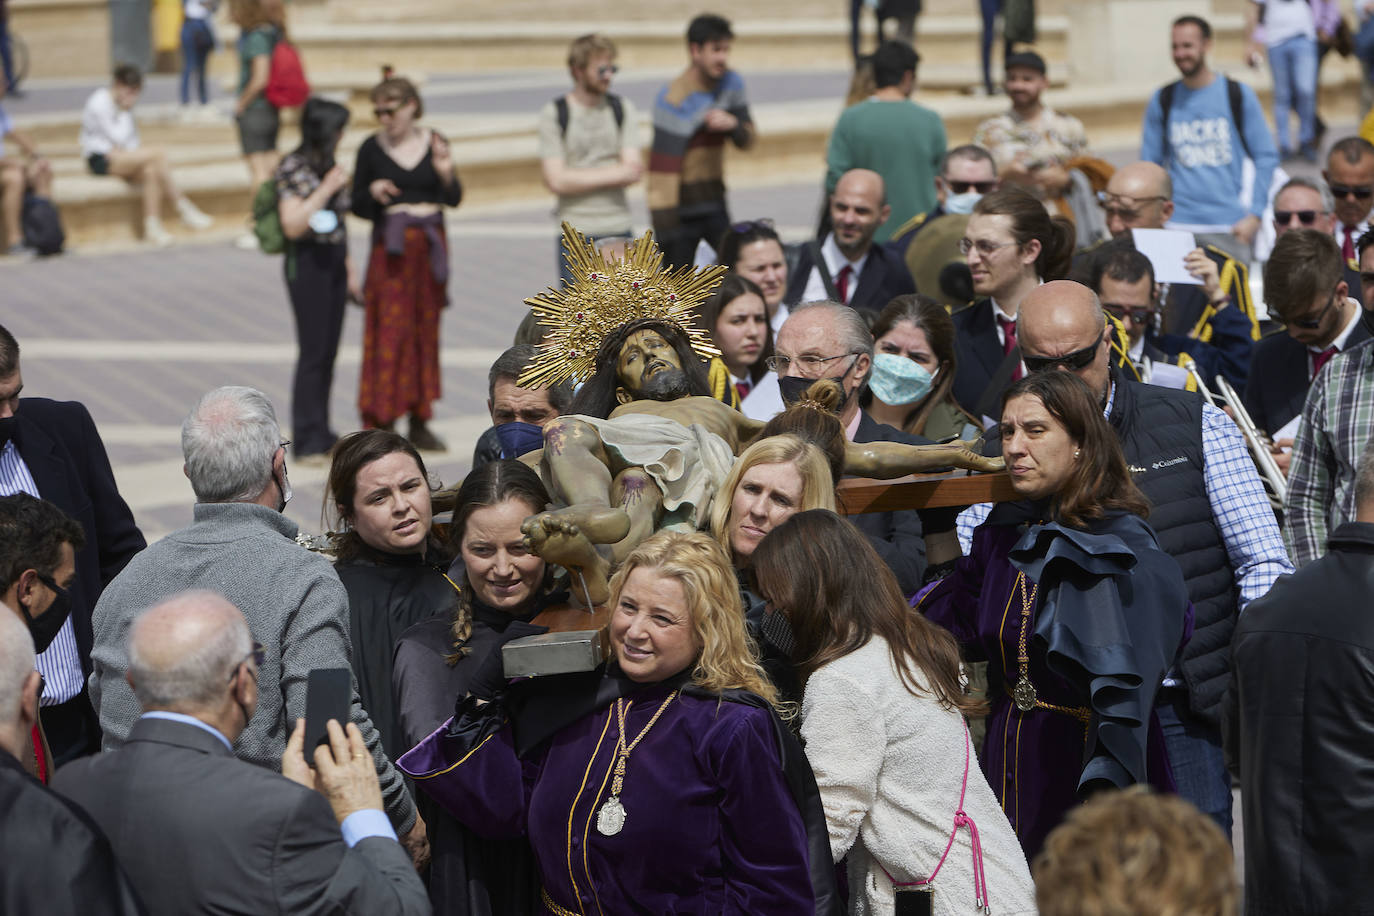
pixel 857 495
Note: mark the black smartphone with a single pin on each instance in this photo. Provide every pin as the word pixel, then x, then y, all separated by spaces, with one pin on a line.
pixel 914 901
pixel 328 695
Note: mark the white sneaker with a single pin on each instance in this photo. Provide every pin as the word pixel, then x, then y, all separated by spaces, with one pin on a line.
pixel 153 232
pixel 248 242
pixel 193 216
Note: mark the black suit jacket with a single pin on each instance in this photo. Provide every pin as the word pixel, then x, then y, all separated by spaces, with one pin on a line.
pixel 56 860
pixel 897 536
pixel 198 831
pixel 884 278
pixel 978 350
pixel 62 449
pixel 1278 382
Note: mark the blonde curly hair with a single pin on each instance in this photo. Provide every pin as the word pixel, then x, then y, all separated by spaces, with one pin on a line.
pixel 702 568
pixel 1133 852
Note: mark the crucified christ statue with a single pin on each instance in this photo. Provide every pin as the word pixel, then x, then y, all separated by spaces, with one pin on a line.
pixel 649 450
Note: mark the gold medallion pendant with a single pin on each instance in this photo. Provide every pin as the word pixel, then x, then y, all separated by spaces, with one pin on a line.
pixel 610 820
pixel 1023 693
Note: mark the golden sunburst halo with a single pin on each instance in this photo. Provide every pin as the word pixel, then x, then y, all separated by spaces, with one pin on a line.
pixel 607 294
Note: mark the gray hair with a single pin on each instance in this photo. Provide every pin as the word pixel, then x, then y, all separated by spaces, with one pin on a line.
pixel 16 663
pixel 513 362
pixel 970 152
pixel 1328 202
pixel 853 329
pixel 197 677
pixel 229 440
pixel 1364 477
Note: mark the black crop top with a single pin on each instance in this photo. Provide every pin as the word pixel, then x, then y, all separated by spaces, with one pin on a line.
pixel 420 185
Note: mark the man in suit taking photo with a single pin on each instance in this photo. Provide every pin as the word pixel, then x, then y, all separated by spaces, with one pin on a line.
pixel 193 666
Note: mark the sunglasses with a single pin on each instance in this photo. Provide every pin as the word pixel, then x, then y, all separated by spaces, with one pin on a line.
pixel 1311 324
pixel 748 226
pixel 1284 217
pixel 1140 314
pixel 1359 192
pixel 607 70
pixel 963 187
pixel 1078 359
pixel 385 112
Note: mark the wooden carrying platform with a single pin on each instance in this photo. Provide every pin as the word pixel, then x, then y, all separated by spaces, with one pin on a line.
pixel 857 495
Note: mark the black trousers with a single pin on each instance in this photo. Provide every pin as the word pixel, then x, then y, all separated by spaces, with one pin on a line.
pixel 319 295
pixel 71 728
pixel 679 244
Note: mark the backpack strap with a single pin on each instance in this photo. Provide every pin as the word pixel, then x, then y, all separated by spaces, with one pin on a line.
pixel 818 262
pixel 1237 102
pixel 560 106
pixel 1166 104
pixel 617 109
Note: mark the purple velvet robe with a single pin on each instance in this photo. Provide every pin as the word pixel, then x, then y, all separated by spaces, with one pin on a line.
pixel 1033 760
pixel 710 825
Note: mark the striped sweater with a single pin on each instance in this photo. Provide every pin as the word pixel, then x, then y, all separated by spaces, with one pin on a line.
pixel 686 164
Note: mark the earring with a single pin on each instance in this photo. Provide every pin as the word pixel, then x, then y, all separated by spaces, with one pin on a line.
pixel 1075 454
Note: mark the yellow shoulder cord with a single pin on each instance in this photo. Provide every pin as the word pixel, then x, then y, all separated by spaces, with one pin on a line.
pixel 1121 346
pixel 1235 281
pixel 721 389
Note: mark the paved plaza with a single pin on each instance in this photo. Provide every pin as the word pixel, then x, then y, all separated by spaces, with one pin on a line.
pixel 138 335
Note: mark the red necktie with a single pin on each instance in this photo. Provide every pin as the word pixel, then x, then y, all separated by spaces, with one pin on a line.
pixel 1322 358
pixel 743 388
pixel 1348 247
pixel 1009 342
pixel 842 283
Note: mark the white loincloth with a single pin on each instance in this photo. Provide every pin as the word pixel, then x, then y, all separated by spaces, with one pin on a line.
pixel 689 463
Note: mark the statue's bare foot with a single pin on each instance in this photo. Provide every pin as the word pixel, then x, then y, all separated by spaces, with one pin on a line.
pixel 558 539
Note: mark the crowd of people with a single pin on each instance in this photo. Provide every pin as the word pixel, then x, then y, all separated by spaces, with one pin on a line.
pixel 1041 702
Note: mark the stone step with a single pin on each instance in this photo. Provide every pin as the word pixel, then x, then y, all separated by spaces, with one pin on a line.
pixel 442 46
pixel 497 159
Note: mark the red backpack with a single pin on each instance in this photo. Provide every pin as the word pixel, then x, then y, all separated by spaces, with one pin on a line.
pixel 286 83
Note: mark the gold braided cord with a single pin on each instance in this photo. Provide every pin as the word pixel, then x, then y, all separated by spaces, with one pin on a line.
pixel 607 294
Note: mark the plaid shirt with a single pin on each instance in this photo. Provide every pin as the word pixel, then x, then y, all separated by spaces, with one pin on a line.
pixel 1240 507
pixel 1336 424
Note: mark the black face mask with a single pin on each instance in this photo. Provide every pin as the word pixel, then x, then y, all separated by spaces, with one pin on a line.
pixel 792 388
pixel 44 628
pixel 6 430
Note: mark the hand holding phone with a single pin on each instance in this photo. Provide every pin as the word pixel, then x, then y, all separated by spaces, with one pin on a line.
pixel 328 695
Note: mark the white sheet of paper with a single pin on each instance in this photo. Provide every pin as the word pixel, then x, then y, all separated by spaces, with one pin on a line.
pixel 1166 249
pixel 1289 431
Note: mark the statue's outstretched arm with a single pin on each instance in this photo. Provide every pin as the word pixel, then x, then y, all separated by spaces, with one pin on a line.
pixel 886 460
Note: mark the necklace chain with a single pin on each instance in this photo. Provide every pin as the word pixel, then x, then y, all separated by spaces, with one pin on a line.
pixel 1022 656
pixel 622 749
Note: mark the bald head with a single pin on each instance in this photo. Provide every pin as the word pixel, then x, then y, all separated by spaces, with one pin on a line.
pixel 1139 196
pixel 858 206
pixel 183 652
pixel 16 666
pixel 1062 318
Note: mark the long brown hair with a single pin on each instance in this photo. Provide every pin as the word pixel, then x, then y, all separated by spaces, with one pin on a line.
pixel 730 289
pixel 490 485
pixel 838 594
pixel 1029 221
pixel 1100 480
pixel 933 320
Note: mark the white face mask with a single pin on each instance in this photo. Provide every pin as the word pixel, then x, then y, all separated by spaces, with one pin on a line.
pixel 962 203
pixel 285 485
pixel 323 222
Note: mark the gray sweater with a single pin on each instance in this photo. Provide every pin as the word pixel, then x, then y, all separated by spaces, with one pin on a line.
pixel 295 606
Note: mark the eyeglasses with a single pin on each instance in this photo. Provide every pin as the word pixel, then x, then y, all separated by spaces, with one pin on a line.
pixel 962 187
pixel 283 444
pixel 748 226
pixel 985 247
pixel 1078 359
pixel 607 70
pixel 1284 217
pixel 1311 324
pixel 1122 207
pixel 258 655
pixel 811 366
pixel 385 112
pixel 1140 314
pixel 1359 192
